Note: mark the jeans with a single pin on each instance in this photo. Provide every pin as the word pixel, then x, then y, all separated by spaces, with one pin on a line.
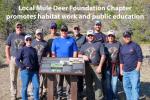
pixel 109 83
pixel 26 77
pixel 114 85
pixel 131 84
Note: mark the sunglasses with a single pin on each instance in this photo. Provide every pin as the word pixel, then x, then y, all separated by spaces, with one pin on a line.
pixel 76 28
pixel 98 24
pixel 28 39
pixel 19 27
pixel 53 28
pixel 64 30
pixel 90 35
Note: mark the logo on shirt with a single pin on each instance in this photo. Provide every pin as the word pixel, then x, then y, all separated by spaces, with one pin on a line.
pixel 39 48
pixel 113 53
pixel 18 43
pixel 90 52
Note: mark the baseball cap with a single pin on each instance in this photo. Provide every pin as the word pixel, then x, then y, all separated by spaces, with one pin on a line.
pixel 90 32
pixel 64 28
pixel 98 22
pixel 53 25
pixel 18 23
pixel 39 31
pixel 127 34
pixel 111 32
pixel 28 36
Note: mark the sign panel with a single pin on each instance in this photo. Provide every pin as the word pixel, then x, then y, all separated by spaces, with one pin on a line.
pixel 72 66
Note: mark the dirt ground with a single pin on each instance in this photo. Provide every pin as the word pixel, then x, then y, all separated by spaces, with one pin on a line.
pixel 5 93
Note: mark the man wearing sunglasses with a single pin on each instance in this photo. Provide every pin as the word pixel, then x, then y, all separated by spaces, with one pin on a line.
pixel 93 54
pixel 64 46
pixel 14 42
pixel 130 64
pixel 98 34
pixel 80 40
pixel 52 35
pixel 41 47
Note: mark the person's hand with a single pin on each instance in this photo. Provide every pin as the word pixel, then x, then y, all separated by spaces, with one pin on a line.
pixel 85 58
pixel 121 72
pixel 7 60
pixel 137 69
pixel 98 70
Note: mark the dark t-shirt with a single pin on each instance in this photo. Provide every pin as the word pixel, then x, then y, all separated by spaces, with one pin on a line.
pixel 15 42
pixel 80 40
pixel 112 51
pixel 41 48
pixel 100 37
pixel 93 50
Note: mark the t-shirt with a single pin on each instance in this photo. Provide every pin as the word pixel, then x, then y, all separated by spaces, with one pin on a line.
pixel 41 48
pixel 93 50
pixel 100 37
pixel 64 47
pixel 15 42
pixel 27 57
pixel 112 51
pixel 130 55
pixel 80 40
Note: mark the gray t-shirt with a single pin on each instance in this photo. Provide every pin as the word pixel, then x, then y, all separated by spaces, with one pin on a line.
pixel 15 42
pixel 93 50
pixel 80 41
pixel 112 51
pixel 41 48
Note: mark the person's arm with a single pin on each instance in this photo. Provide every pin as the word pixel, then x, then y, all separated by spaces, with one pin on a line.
pixel 81 54
pixel 121 62
pixel 7 49
pixel 53 49
pixel 140 57
pixel 75 49
pixel 19 59
pixel 102 60
pixel 7 53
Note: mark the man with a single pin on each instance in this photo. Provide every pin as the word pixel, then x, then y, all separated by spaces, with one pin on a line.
pixel 80 40
pixel 98 34
pixel 63 46
pixel 41 47
pixel 27 61
pixel 130 64
pixel 93 54
pixel 14 42
pixel 111 70
pixel 52 35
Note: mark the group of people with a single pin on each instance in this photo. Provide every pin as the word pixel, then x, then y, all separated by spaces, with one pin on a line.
pixel 106 59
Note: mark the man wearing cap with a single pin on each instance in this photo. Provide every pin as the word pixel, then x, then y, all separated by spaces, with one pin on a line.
pixel 80 40
pixel 52 31
pixel 52 35
pixel 14 42
pixel 130 63
pixel 27 61
pixel 63 46
pixel 41 47
pixel 93 54
pixel 111 70
pixel 98 34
